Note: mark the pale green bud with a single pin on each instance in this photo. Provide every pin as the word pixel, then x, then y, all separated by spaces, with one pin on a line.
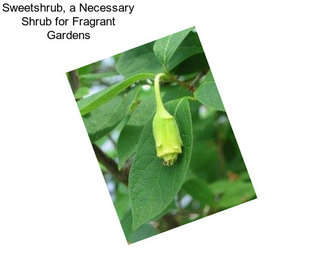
pixel 167 137
pixel 165 130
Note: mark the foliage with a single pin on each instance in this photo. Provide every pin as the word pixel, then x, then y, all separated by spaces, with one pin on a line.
pixel 116 99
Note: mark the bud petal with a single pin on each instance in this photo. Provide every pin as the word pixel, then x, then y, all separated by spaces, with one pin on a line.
pixel 167 137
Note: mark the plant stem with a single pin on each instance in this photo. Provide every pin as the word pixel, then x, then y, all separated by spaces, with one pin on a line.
pixel 74 80
pixel 197 78
pixel 187 85
pixel 159 102
pixel 111 165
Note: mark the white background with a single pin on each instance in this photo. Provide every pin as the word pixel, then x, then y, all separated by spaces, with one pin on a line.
pixel 55 209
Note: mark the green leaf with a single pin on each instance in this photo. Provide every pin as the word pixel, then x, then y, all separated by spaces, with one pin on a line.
pixel 87 79
pixel 233 192
pixel 104 119
pixel 127 143
pixel 121 202
pixel 188 48
pixel 194 64
pixel 172 206
pixel 204 162
pixel 139 60
pixel 90 68
pixel 207 93
pixel 190 175
pixel 165 48
pixel 152 185
pixel 200 190
pixel 81 92
pixel 143 232
pixel 88 104
pixel 204 159
pixel 174 92
pixel 96 76
pixel 144 110
pixel 131 98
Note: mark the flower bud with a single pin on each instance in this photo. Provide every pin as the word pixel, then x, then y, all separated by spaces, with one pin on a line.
pixel 165 130
pixel 167 137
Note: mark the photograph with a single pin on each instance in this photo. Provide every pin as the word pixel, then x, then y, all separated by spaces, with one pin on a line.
pixel 165 136
pixel 161 135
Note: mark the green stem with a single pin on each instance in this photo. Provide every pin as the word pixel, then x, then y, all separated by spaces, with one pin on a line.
pixel 159 101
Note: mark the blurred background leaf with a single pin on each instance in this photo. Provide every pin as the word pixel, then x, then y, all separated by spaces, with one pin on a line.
pixel 144 231
pixel 165 48
pixel 207 93
pixel 139 60
pixel 127 143
pixel 104 119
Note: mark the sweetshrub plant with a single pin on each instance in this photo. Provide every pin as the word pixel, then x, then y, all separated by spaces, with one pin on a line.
pixel 167 151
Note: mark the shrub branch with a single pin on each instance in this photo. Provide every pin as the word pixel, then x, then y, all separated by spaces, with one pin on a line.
pixel 111 165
